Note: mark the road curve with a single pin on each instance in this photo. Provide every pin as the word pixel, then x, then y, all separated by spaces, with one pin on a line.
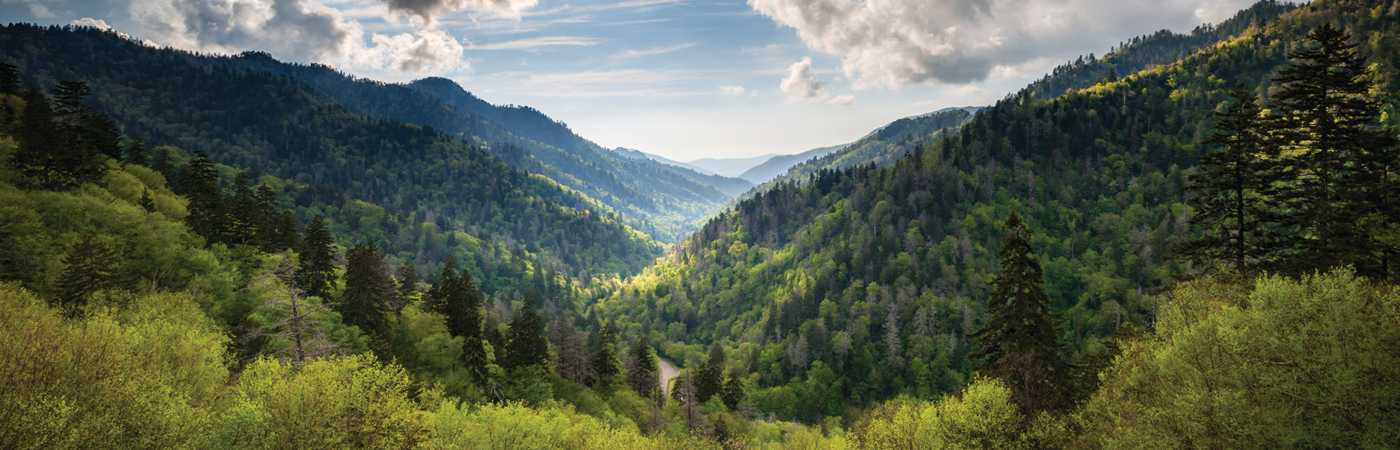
pixel 668 372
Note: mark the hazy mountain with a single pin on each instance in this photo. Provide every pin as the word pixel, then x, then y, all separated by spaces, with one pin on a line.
pixel 729 185
pixel 730 167
pixel 638 154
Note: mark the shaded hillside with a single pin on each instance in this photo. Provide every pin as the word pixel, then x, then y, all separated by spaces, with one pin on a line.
pixel 415 178
pixel 780 164
pixel 862 283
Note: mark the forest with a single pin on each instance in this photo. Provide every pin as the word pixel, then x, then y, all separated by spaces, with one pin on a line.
pixel 1197 253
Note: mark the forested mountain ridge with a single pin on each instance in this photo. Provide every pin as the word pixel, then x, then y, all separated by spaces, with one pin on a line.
pixel 414 191
pixel 861 284
pixel 654 200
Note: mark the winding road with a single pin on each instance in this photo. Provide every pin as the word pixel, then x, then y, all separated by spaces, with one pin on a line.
pixel 668 372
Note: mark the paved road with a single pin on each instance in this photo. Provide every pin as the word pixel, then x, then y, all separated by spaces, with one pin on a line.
pixel 668 372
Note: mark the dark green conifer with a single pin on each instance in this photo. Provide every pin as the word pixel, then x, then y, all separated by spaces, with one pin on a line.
pixel 147 202
pixel 135 153
pixel 317 272
pixel 606 366
pixel 37 157
pixel 9 79
pixel 208 217
pixel 163 163
pixel 642 369
pixel 1234 194
pixel 368 288
pixel 1345 164
pixel 288 231
pixel 408 285
pixel 733 393
pixel 246 217
pixel 709 380
pixel 526 344
pixel 90 267
pixel 455 297
pixel 1020 343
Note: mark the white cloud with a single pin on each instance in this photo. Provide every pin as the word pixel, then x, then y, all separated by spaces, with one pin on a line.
pixel 801 83
pixel 298 30
pixel 619 83
pixel 898 42
pixel 654 51
pixel 543 41
pixel 429 10
pixel 732 90
pixel 842 100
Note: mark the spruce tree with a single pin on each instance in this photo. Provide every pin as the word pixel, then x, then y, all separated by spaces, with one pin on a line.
pixel 525 341
pixel 606 366
pixel 368 288
pixel 456 298
pixel 288 233
pixel 90 267
pixel 1234 195
pixel 1020 343
pixel 733 393
pixel 709 380
pixel 208 216
pixel 147 202
pixel 9 79
pixel 135 153
pixel 163 163
pixel 407 285
pixel 1344 165
pixel 642 369
pixel 37 157
pixel 317 272
pixel 246 217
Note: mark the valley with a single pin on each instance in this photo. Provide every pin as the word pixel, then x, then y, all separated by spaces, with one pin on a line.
pixel 1188 241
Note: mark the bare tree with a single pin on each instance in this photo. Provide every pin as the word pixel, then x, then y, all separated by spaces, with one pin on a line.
pixel 294 319
pixel 571 357
pixel 690 410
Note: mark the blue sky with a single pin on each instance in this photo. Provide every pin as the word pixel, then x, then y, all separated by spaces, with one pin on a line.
pixel 684 79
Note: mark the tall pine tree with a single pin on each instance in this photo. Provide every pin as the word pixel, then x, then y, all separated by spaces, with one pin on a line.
pixel 525 341
pixel 642 369
pixel 208 214
pixel 456 298
pixel 91 267
pixel 1344 163
pixel 368 288
pixel 606 366
pixel 1234 195
pixel 1020 343
pixel 709 380
pixel 316 273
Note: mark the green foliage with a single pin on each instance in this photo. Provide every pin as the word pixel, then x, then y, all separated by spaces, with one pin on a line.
pixel 1286 363
pixel 606 366
pixel 526 344
pixel 983 417
pixel 316 269
pixel 89 264
pixel 368 288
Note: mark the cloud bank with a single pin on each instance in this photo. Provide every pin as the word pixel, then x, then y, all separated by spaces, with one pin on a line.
pixel 308 31
pixel 802 84
pixel 893 43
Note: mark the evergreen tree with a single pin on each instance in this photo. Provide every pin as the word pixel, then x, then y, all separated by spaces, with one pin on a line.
pixel 710 378
pixel 408 285
pixel 37 157
pixel 246 217
pixel 606 366
pixel 1234 193
pixel 269 236
pixel 368 289
pixel 642 369
pixel 1345 164
pixel 69 96
pixel 733 393
pixel 525 341
pixel 456 298
pixel 571 358
pixel 1020 343
pixel 317 272
pixel 90 267
pixel 147 202
pixel 9 79
pixel 289 236
pixel 135 153
pixel 163 163
pixel 208 217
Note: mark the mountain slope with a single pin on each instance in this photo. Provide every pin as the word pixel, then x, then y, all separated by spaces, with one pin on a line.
pixel 638 154
pixel 780 164
pixel 730 167
pixel 416 192
pixel 861 284
pixel 731 186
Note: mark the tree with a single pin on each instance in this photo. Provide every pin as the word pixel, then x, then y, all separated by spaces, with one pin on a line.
pixel 38 144
pixel 90 266
pixel 208 216
pixel 1020 343
pixel 246 218
pixel 368 289
pixel 288 235
pixel 690 406
pixel 606 366
pixel 733 393
pixel 456 298
pixel 525 341
pixel 642 369
pixel 290 316
pixel 408 286
pixel 9 79
pixel 1234 193
pixel 1345 166
pixel 709 380
pixel 317 272
pixel 571 358
pixel 147 203
pixel 135 153
pixel 162 162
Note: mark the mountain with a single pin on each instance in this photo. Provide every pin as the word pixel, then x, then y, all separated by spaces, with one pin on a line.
pixel 418 193
pixel 730 167
pixel 652 200
pixel 638 154
pixel 728 185
pixel 780 164
pixel 846 286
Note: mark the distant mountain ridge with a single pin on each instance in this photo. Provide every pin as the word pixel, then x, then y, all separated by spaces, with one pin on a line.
pixel 730 185
pixel 731 167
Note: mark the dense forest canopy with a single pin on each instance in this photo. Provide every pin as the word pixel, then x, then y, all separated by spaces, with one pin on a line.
pixel 1166 258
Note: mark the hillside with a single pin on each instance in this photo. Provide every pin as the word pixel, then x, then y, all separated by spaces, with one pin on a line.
pixel 780 164
pixel 416 192
pixel 730 185
pixel 865 281
pixel 651 198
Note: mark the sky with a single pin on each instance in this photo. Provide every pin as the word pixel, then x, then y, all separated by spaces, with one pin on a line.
pixel 684 79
